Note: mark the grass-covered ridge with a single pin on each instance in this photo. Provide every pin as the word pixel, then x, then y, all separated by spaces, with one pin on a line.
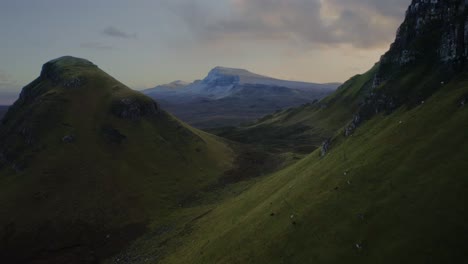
pixel 393 192
pixel 80 177
pixel 303 129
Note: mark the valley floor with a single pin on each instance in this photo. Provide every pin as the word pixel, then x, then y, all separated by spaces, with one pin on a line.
pixel 393 192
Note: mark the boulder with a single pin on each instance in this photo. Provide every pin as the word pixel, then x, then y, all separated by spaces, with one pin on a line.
pixel 133 108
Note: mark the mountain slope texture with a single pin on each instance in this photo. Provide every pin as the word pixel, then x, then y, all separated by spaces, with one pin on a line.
pixel 86 163
pixel 388 182
pixel 376 172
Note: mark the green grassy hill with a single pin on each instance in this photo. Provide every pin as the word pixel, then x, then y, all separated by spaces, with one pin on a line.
pixel 86 164
pixel 394 192
pixel 94 172
pixel 390 187
pixel 303 129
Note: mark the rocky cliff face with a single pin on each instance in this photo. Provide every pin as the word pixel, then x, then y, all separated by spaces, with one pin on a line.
pixel 433 30
pixel 219 77
pixel 64 71
pixel 434 36
pixel 134 108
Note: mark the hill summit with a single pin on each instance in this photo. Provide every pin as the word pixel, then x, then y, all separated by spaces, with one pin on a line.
pixel 86 164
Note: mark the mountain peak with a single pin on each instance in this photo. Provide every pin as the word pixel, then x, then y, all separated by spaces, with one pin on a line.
pixel 218 70
pixel 70 61
pixel 66 70
pixel 60 78
pixel 222 76
pixel 64 63
pixel 176 84
pixel 179 82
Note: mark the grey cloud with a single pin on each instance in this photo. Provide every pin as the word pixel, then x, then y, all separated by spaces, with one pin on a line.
pixel 388 8
pixel 7 97
pixel 8 89
pixel 95 45
pixel 112 31
pixel 4 77
pixel 6 80
pixel 367 23
pixel 360 23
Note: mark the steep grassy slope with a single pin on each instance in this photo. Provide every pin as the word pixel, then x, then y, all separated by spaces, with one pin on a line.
pixel 389 185
pixel 303 129
pixel 87 163
pixel 394 192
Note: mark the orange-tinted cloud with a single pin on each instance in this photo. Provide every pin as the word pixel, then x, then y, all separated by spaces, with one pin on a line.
pixel 359 23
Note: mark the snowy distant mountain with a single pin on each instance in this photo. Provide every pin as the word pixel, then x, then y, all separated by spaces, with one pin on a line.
pixel 172 85
pixel 228 96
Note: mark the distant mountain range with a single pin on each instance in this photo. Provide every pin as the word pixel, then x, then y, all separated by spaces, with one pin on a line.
pixel 228 97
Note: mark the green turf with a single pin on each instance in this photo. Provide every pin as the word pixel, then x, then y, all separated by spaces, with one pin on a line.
pixel 402 200
pixel 303 129
pixel 79 193
pixel 393 192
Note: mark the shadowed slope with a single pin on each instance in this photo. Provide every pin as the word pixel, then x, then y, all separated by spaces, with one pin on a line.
pixel 394 192
pixel 86 163
pixel 389 184
pixel 303 129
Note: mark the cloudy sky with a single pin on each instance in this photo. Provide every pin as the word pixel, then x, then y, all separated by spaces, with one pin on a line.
pixel 148 42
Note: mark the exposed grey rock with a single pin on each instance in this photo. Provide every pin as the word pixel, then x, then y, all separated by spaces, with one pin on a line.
pixel 361 217
pixel 325 147
pixel 376 102
pixel 27 135
pixel 74 82
pixel 17 167
pixel 349 129
pixel 134 109
pixel 56 71
pixel 407 57
pixel 113 135
pixel 434 31
pixel 216 77
pixel 68 139
pixel 377 81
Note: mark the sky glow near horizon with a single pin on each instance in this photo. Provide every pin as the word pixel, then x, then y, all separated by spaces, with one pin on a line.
pixel 144 43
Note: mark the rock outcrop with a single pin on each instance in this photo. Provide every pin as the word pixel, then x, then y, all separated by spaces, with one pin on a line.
pixel 218 77
pixel 64 71
pixel 434 30
pixel 58 71
pixel 133 108
pixel 325 147
pixel 434 33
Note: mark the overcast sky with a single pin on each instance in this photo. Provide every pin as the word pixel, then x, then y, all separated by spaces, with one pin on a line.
pixel 148 42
